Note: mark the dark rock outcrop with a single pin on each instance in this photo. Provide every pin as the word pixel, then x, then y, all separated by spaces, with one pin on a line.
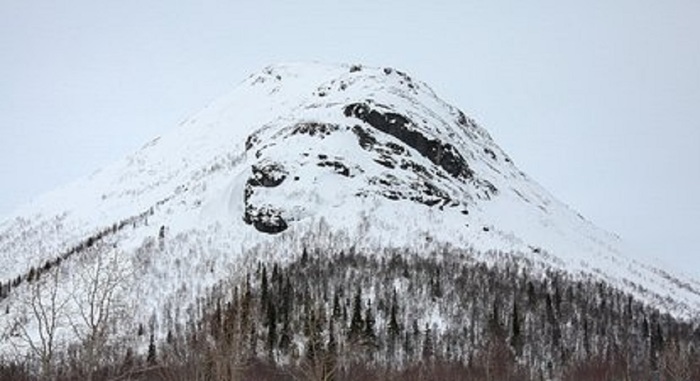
pixel 265 219
pixel 269 175
pixel 397 125
pixel 365 138
pixel 314 129
pixel 337 166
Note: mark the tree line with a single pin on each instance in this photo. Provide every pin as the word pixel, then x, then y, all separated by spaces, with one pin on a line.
pixel 403 315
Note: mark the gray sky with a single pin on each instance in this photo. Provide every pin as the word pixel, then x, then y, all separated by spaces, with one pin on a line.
pixel 599 101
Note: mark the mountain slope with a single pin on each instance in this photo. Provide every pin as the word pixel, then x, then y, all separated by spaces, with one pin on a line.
pixel 366 154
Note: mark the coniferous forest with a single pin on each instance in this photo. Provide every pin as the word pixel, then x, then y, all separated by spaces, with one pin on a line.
pixel 402 316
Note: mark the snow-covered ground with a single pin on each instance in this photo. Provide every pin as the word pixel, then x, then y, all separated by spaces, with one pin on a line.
pixel 292 123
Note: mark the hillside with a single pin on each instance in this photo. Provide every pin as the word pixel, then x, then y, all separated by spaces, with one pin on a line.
pixel 330 160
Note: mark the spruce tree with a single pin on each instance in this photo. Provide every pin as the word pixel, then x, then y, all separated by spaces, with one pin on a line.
pixel 586 339
pixel 369 335
pixel 357 323
pixel 436 285
pixel 151 357
pixel 555 331
pixel 247 328
pixel 216 322
pixel 264 292
pixel 304 257
pixel 287 298
pixel 231 321
pixel 494 324
pixel 393 325
pixel 286 334
pixel 271 322
pixel 516 340
pixel 275 278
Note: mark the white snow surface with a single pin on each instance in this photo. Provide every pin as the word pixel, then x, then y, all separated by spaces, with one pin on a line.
pixel 192 182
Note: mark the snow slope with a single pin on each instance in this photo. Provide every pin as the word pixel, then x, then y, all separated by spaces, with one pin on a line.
pixel 369 154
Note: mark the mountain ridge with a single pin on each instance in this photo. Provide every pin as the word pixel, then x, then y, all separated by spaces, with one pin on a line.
pixel 369 154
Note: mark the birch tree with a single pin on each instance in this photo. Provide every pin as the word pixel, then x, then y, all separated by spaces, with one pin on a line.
pixel 42 321
pixel 98 288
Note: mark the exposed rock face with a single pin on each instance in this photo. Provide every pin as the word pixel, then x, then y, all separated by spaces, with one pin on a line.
pixel 264 218
pixel 315 129
pixel 365 138
pixel 397 125
pixel 269 175
pixel 392 157
pixel 337 166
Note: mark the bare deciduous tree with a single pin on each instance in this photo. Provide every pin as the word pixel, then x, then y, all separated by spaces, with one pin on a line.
pixel 97 287
pixel 40 322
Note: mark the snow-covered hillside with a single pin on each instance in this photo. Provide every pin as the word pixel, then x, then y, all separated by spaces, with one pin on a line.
pixel 369 154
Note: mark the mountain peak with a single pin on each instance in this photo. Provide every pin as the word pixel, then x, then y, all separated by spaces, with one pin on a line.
pixel 368 154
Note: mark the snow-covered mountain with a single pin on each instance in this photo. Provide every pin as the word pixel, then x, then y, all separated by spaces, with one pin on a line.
pixel 367 155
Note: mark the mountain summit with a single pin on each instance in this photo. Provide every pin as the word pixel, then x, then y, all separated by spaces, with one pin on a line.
pixel 358 157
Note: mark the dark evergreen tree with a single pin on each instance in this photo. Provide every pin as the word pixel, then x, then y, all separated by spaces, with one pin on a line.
pixel 516 340
pixel 215 323
pixel 586 338
pixel 645 329
pixel 554 330
pixel 151 358
pixel 557 297
pixel 495 327
pixel 531 295
pixel 393 326
pixel 287 298
pixel 657 342
pixel 246 330
pixel 275 278
pixel 436 285
pixel 370 338
pixel 231 327
pixel 304 257
pixel 264 292
pixel 271 322
pixel 357 323
pixel 428 348
pixel 286 333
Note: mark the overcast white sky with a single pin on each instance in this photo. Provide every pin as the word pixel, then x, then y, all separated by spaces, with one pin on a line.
pixel 599 101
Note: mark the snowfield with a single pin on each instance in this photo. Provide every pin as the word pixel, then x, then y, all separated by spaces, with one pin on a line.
pixel 352 156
